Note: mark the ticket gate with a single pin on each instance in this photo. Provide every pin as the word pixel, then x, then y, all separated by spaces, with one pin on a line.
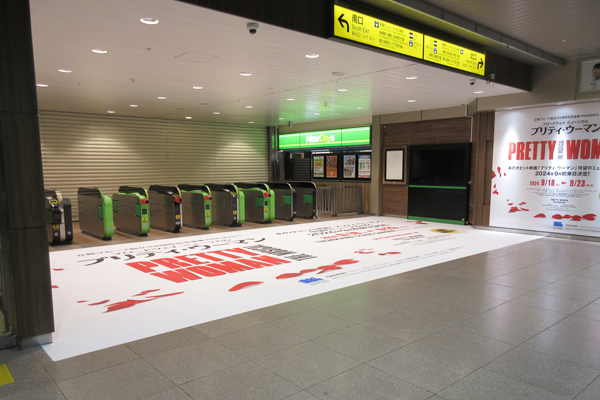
pixel 131 210
pixel 306 196
pixel 228 204
pixel 197 206
pixel 165 208
pixel 258 202
pixel 95 213
pixel 59 217
pixel 284 201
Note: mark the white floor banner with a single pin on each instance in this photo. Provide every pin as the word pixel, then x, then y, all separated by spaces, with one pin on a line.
pixel 109 295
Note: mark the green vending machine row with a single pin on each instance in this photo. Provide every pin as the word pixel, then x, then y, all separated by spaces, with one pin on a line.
pixel 59 217
pixel 197 206
pixel 227 204
pixel 259 203
pixel 131 210
pixel 165 208
pixel 95 213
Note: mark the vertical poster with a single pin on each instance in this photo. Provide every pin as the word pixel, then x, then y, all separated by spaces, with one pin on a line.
pixel 364 166
pixel 546 170
pixel 332 166
pixel 319 167
pixel 350 166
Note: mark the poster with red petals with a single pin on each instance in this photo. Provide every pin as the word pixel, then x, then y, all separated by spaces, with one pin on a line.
pixel 546 169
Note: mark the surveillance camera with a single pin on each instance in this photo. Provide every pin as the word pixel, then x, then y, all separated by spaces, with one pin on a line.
pixel 252 27
pixel 472 82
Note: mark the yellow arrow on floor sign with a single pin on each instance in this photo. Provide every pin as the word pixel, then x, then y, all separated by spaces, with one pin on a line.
pixel 5 375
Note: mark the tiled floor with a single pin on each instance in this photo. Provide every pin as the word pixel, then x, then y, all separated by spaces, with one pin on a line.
pixel 521 322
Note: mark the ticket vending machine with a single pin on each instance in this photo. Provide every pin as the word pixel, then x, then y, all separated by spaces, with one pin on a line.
pixel 306 196
pixel 165 208
pixel 95 213
pixel 284 201
pixel 197 206
pixel 59 217
pixel 258 202
pixel 227 204
pixel 131 210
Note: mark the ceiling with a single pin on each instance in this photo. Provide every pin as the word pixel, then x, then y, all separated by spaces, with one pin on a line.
pixel 194 46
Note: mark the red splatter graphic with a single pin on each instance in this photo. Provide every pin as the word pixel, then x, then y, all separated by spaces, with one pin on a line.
pixel 589 217
pixel 98 303
pixel 540 216
pixel 58 269
pixel 513 209
pixel 421 223
pixel 345 262
pixel 494 186
pixel 521 203
pixel 146 292
pixel 243 285
pixel 576 218
pixel 493 174
pixel 307 271
pixel 567 216
pixel 124 304
pixel 557 216
pixel 328 268
pixel 364 252
pixel 510 204
pixel 495 192
pixel 505 174
pixel 82 301
pixel 54 287
pixel 389 253
pixel 499 169
pixel 290 275
pixel 524 209
pixel 165 295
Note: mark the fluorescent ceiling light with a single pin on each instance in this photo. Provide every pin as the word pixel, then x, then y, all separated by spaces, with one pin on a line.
pixel 412 101
pixel 245 73
pixel 249 106
pixel 162 98
pixel 99 51
pixel 342 90
pixel 65 71
pixel 133 105
pixel 411 77
pixel 216 112
pixel 197 87
pixel 188 117
pixel 312 56
pixel 111 112
pixel 41 85
pixel 149 21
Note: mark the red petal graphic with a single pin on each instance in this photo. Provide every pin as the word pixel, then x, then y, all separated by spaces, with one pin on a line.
pixel 326 266
pixel 524 209
pixel 557 216
pixel 165 295
pixel 567 216
pixel 344 262
pixel 540 216
pixel 328 269
pixel 494 186
pixel 98 303
pixel 290 275
pixel 495 192
pixel 421 223
pixel 521 203
pixel 54 287
pixel 510 204
pixel 513 209
pixel 499 169
pixel 58 269
pixel 146 292
pixel 589 217
pixel 243 285
pixel 124 304
pixel 82 301
pixel 389 252
pixel 493 174
pixel 307 271
pixel 575 218
pixel 505 174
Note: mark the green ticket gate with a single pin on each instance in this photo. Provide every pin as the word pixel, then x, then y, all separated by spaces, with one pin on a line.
pixel 197 206
pixel 59 217
pixel 306 196
pixel 95 213
pixel 258 202
pixel 165 208
pixel 227 204
pixel 284 201
pixel 131 210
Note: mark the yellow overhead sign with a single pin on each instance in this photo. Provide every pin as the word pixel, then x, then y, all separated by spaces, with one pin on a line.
pixel 365 29
pixel 453 56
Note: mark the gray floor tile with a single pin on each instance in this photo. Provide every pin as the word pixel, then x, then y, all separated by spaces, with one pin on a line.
pixel 47 391
pixel 443 312
pixel 550 302
pixel 465 346
pixel 247 381
pixel 447 279
pixel 487 385
pixel 467 298
pixel 90 362
pixel 592 392
pixel 570 292
pixel 476 273
pixel 497 291
pixel 367 383
pixel 591 312
pixel 571 348
pixel 259 340
pixel 424 368
pixel 359 343
pixel 26 379
pixel 17 359
pixel 518 282
pixel 501 329
pixel 583 283
pixel 536 274
pixel 356 310
pixel 589 273
pixel 527 314
pixel 304 395
pixel 281 310
pixel 312 324
pixel 404 326
pixel 515 262
pixel 546 372
pixel 307 364
pixel 167 341
pixel 226 325
pixel 133 380
pixel 170 394
pixel 194 361
pixel 577 326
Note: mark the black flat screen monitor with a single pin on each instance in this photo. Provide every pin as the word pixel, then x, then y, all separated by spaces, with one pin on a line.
pixel 440 165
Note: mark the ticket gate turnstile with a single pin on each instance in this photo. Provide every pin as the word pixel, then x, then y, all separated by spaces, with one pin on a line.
pixel 228 204
pixel 131 210
pixel 59 217
pixel 285 200
pixel 165 208
pixel 306 196
pixel 95 213
pixel 197 206
pixel 258 202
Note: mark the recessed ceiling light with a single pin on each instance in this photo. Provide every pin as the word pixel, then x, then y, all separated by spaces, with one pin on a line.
pixel 249 106
pixel 563 41
pixel 245 73
pixel 359 108
pixel 99 51
pixel 251 122
pixel 411 77
pixel 317 113
pixel 478 92
pixel 197 87
pixel 342 90
pixel 281 118
pixel 188 117
pixel 312 56
pixel 291 99
pixel 149 21
pixel 65 71
pixel 216 112
pixel 111 112
pixel 41 85
pixel 162 98
pixel 412 101
pixel 338 73
pixel 133 105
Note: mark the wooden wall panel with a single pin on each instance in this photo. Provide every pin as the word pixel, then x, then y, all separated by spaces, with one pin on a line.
pixel 481 168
